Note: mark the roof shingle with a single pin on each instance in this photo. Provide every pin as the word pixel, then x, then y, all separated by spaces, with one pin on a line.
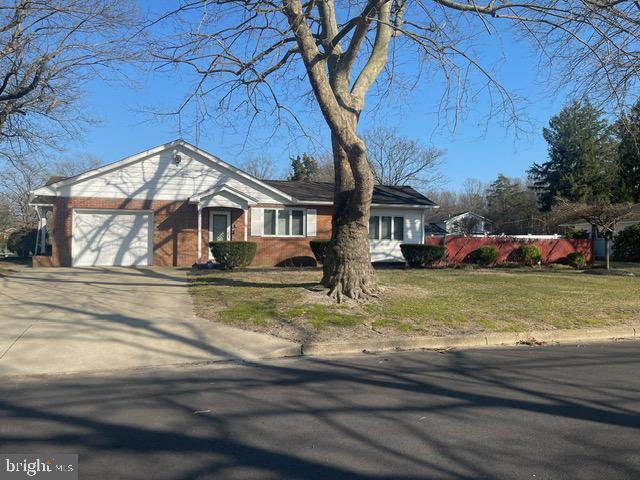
pixel 323 192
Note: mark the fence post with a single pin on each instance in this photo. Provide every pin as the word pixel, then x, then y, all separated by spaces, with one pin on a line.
pixel 444 253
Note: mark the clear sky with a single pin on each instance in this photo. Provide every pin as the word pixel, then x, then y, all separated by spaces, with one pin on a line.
pixel 127 127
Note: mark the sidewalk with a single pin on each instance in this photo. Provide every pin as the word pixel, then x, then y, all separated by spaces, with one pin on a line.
pixel 59 321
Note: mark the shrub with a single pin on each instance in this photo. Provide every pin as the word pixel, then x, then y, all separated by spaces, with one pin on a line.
pixel 413 253
pixel 484 256
pixel 417 254
pixel 528 254
pixel 22 242
pixel 319 249
pixel 576 260
pixel 433 254
pixel 576 234
pixel 233 254
pixel 626 245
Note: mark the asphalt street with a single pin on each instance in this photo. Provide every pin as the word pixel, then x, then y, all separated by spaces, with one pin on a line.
pixel 550 412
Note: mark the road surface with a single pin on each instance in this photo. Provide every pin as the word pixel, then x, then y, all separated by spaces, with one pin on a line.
pixel 525 413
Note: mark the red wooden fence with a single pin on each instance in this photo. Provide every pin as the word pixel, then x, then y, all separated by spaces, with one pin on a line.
pixel 553 250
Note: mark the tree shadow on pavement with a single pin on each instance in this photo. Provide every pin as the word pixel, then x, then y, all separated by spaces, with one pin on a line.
pixel 513 413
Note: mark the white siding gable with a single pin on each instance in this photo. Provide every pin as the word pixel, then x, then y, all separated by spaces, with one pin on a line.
pixel 158 177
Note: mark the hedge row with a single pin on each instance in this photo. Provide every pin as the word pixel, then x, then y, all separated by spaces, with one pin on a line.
pixel 418 255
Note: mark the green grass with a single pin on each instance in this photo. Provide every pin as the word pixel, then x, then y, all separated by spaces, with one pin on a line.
pixel 420 302
pixel 322 316
pixel 513 300
pixel 256 312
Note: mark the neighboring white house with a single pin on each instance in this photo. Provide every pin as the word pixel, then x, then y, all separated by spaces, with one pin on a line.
pixel 465 223
pixel 631 219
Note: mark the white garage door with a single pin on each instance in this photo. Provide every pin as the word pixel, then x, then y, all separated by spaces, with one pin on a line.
pixel 108 237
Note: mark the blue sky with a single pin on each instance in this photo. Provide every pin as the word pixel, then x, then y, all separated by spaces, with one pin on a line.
pixel 127 127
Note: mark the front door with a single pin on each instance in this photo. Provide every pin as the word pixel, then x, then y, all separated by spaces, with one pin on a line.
pixel 219 230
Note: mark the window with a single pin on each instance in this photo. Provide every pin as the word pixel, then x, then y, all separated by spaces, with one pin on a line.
pixel 386 228
pixel 297 222
pixel 269 222
pixel 374 224
pixel 283 222
pixel 398 228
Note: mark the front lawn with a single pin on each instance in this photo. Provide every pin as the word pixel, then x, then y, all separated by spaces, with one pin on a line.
pixel 287 303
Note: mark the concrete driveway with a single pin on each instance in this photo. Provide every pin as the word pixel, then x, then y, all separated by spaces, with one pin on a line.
pixel 66 320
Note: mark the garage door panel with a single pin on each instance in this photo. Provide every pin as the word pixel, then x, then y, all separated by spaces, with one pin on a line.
pixel 112 238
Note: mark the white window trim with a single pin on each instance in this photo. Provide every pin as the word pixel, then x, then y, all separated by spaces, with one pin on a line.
pixel 393 230
pixel 277 234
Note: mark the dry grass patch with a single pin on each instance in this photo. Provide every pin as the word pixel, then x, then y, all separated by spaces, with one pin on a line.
pixel 288 303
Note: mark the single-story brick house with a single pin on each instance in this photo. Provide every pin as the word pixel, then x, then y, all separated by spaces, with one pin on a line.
pixel 162 207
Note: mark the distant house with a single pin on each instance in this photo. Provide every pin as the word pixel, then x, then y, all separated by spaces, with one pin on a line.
pixel 631 219
pixel 464 223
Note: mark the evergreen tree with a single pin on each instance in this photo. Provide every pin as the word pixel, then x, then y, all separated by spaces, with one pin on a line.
pixel 628 132
pixel 303 168
pixel 511 206
pixel 582 158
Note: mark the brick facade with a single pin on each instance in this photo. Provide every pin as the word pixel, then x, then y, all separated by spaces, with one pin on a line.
pixel 283 251
pixel 175 231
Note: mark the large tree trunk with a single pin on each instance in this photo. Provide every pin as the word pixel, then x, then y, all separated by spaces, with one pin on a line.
pixel 606 252
pixel 347 269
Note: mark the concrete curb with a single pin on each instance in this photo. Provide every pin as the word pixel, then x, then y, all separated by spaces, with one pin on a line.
pixel 470 341
pixel 294 350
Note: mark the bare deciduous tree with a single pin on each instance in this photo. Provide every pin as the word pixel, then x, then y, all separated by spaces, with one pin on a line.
pixel 470 225
pixel 602 217
pixel 325 171
pixel 398 160
pixel 261 166
pixel 593 45
pixel 263 50
pixel 27 173
pixel 472 196
pixel 48 50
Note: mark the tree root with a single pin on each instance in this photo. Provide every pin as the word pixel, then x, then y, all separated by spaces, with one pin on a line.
pixel 356 285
